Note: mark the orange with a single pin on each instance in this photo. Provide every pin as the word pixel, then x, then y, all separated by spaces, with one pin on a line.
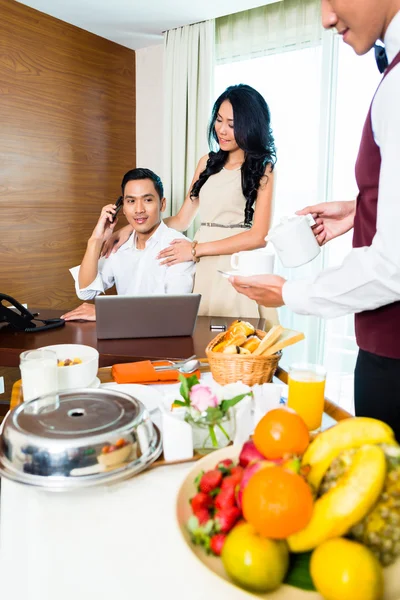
pixel 281 431
pixel 277 502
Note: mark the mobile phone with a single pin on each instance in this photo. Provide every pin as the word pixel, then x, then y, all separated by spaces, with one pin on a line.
pixel 118 205
pixel 218 324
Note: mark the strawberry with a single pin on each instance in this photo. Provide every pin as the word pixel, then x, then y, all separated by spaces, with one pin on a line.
pixel 225 466
pixel 202 515
pixel 226 498
pixel 216 543
pixel 237 473
pixel 225 519
pixel 201 500
pixel 229 482
pixel 210 480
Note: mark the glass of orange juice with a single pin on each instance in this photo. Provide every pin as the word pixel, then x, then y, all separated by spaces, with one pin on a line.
pixel 306 393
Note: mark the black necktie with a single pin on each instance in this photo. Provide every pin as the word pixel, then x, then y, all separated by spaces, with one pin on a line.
pixel 381 58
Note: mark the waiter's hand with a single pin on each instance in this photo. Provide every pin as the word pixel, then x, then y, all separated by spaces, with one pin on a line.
pixel 264 289
pixel 332 219
pixel 84 312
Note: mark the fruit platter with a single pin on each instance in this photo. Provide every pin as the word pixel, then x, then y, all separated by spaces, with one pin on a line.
pixel 283 518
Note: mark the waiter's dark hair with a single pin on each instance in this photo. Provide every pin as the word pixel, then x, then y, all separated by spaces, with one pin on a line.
pixel 136 174
pixel 253 134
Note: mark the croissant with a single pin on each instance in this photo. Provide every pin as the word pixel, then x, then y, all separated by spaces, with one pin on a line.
pixel 232 349
pixel 240 326
pixel 251 343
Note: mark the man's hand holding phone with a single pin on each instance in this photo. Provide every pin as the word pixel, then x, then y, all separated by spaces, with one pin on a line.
pixel 107 221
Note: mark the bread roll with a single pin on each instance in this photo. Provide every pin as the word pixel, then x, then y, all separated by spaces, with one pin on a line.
pixel 231 349
pixel 251 343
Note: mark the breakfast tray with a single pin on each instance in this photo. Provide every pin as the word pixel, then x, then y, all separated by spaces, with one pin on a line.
pixel 104 374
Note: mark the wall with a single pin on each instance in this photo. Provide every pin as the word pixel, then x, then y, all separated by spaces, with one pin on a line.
pixel 67 122
pixel 149 108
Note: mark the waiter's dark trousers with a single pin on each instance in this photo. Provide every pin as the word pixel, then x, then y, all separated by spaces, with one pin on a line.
pixel 377 389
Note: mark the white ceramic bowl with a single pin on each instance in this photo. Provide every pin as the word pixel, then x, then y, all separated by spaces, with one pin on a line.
pixel 80 375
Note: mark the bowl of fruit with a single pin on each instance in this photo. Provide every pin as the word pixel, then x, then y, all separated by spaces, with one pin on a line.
pixel 285 519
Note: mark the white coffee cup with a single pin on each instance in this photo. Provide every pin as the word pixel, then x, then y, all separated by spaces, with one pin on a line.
pixel 253 262
pixel 294 240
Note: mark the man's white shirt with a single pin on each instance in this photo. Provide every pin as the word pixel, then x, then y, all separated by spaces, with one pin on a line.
pixel 138 272
pixel 369 277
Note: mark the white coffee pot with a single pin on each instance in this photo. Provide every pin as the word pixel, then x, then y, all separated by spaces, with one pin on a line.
pixel 294 240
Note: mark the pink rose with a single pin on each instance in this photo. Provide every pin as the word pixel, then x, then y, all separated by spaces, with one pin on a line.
pixel 201 397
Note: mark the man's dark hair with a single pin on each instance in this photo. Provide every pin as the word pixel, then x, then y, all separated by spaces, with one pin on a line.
pixel 136 174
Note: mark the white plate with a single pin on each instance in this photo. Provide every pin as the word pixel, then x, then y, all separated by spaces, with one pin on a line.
pixel 234 273
pixel 151 398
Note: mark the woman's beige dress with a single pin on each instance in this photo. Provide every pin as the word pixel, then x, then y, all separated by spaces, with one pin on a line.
pixel 222 203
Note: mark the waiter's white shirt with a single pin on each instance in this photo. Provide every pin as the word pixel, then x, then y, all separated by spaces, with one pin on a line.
pixel 138 272
pixel 369 277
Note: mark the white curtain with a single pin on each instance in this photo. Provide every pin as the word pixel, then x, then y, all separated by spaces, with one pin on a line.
pixel 278 27
pixel 189 77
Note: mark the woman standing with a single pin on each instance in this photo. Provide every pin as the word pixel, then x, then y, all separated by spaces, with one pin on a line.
pixel 232 189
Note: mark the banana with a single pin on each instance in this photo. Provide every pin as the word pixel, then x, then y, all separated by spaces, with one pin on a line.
pixel 347 503
pixel 350 433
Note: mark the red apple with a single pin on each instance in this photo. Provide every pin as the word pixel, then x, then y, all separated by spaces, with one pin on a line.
pixel 249 454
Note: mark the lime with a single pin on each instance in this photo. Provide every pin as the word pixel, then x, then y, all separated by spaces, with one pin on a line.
pixel 346 570
pixel 255 563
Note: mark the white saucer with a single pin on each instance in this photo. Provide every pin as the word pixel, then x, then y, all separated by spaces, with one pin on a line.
pixel 234 273
pixel 147 395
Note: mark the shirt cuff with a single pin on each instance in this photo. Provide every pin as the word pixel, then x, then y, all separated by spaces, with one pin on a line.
pixel 96 286
pixel 296 296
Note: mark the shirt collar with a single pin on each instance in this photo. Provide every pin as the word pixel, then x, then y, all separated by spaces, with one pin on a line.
pixel 154 239
pixel 392 38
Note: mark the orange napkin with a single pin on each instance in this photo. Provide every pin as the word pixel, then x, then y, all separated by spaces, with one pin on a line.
pixel 143 372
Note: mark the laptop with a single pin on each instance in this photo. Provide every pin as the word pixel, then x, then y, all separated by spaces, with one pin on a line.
pixel 146 316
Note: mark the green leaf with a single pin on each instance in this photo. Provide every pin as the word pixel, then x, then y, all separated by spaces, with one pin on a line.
pixel 299 571
pixel 179 403
pixel 184 389
pixel 226 404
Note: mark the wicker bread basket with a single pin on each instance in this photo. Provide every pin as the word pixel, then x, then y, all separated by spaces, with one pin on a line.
pixel 250 369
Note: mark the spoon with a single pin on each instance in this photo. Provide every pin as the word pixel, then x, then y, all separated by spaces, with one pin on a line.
pixel 187 367
pixel 173 364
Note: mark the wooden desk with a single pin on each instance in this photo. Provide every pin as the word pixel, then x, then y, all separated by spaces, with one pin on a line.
pixel 12 342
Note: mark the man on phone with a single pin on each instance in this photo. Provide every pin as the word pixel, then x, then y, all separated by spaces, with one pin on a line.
pixel 134 268
pixel 368 281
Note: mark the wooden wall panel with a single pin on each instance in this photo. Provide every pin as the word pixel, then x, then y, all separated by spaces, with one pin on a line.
pixel 67 136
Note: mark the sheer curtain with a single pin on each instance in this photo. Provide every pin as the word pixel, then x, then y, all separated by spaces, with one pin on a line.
pixel 189 68
pixel 277 49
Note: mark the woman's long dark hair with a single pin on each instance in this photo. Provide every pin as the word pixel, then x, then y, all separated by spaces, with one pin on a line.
pixel 253 134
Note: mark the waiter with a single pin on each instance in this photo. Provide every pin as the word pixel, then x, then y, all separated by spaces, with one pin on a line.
pixel 368 281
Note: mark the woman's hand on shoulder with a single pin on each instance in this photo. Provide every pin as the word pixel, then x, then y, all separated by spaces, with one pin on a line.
pixel 177 252
pixel 115 241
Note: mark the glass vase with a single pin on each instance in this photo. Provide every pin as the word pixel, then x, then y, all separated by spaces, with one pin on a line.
pixel 209 436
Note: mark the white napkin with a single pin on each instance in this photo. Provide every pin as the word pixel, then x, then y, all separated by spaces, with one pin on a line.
pixel 177 434
pixel 244 421
pixel 267 396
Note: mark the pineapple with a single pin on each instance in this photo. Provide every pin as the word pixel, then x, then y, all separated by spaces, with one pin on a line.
pixel 380 528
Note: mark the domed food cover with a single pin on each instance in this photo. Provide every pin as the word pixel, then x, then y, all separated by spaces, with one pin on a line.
pixel 77 438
